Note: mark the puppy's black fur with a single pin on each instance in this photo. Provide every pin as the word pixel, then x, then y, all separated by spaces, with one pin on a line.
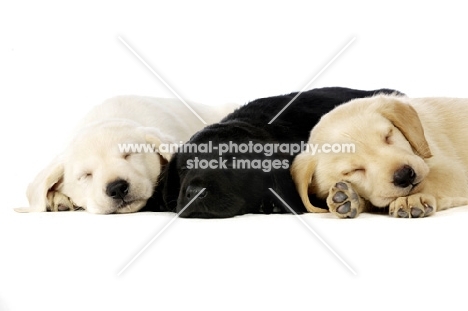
pixel 232 191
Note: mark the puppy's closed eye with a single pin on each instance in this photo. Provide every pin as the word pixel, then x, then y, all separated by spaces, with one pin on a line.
pixel 85 176
pixel 354 171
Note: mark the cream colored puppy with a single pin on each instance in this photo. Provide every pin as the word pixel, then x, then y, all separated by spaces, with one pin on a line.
pixel 95 173
pixel 410 155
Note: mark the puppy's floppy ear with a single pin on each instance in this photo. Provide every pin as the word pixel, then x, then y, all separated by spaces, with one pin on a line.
pixel 166 192
pixel 281 183
pixel 160 140
pixel 169 185
pixel 43 183
pixel 406 119
pixel 302 171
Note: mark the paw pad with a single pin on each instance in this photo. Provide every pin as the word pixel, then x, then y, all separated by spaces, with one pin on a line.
pixel 416 212
pixel 339 197
pixel 402 214
pixel 343 201
pixel 345 208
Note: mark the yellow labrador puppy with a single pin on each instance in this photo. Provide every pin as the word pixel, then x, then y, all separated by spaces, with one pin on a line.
pixel 410 155
pixel 99 172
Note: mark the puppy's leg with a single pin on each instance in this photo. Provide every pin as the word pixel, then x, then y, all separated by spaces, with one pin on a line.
pixel 58 202
pixel 446 203
pixel 344 202
pixel 422 205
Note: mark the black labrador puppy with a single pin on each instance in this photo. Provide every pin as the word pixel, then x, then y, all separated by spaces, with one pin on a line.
pixel 241 164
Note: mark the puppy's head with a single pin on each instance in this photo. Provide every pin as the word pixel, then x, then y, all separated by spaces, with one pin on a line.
pixel 215 184
pixel 376 143
pixel 109 167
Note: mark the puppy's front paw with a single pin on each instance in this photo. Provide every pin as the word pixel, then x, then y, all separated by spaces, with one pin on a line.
pixel 413 206
pixel 58 202
pixel 343 201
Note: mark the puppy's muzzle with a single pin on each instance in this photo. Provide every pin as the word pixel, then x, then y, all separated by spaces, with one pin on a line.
pixel 118 189
pixel 404 176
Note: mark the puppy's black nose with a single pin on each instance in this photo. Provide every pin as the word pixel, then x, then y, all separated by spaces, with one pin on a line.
pixel 192 191
pixel 404 176
pixel 117 189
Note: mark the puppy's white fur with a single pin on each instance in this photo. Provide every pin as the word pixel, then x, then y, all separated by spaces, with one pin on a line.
pixel 79 176
pixel 390 132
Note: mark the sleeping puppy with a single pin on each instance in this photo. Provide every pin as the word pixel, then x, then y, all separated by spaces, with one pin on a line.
pixel 236 175
pixel 99 172
pixel 410 155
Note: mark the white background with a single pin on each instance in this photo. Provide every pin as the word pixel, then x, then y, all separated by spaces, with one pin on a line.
pixel 58 59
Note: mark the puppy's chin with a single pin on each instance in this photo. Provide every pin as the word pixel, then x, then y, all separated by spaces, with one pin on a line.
pixel 209 214
pixel 103 210
pixel 384 201
pixel 381 202
pixel 130 207
pixel 218 206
